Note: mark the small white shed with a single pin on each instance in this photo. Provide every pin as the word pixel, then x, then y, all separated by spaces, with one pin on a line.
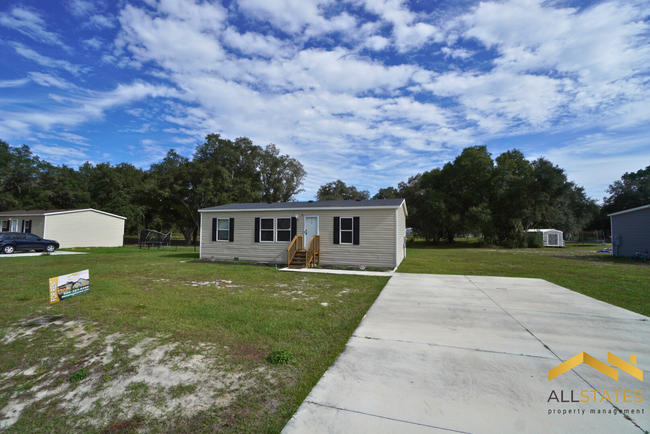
pixel 552 237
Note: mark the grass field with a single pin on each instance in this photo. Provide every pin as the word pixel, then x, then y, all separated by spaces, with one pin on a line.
pixel 581 269
pixel 168 345
pixel 164 345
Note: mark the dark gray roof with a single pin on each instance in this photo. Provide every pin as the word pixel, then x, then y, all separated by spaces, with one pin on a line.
pixel 384 203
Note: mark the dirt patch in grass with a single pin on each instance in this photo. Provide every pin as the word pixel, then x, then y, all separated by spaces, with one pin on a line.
pixel 120 380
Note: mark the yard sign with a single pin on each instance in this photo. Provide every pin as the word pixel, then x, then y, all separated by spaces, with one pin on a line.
pixel 69 285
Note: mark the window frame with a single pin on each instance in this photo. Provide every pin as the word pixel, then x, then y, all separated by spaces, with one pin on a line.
pixel 272 230
pixel 277 229
pixel 228 230
pixel 351 231
pixel 27 226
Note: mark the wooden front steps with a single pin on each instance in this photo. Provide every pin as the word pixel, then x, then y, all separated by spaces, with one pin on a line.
pixel 299 259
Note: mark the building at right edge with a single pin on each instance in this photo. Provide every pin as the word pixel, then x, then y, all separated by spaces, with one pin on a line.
pixel 630 231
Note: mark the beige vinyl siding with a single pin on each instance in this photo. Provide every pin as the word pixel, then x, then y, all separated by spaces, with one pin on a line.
pixel 85 229
pixel 376 241
pixel 244 246
pixel 37 223
pixel 376 238
pixel 401 234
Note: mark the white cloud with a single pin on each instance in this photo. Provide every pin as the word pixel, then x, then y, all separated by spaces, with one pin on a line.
pixel 252 43
pixel 101 21
pixel 30 54
pixel 297 16
pixel 599 52
pixel 93 42
pixel 459 53
pixel 183 42
pixel 376 42
pixel 60 154
pixel 71 111
pixel 48 80
pixel 81 8
pixel 409 29
pixel 68 137
pixel 14 83
pixel 31 24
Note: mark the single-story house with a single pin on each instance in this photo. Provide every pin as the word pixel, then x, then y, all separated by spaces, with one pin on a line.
pixel 338 232
pixel 630 231
pixel 69 227
pixel 552 237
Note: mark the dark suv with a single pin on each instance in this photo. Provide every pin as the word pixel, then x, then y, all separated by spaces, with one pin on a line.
pixel 12 241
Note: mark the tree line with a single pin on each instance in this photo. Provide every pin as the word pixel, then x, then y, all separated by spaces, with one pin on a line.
pixel 167 195
pixel 498 199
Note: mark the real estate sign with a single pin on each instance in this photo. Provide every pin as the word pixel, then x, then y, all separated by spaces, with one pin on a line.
pixel 69 285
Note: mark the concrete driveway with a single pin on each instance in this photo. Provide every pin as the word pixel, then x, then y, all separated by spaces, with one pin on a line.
pixel 470 354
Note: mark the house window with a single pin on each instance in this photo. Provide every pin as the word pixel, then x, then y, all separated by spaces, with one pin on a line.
pixel 223 229
pixel 346 230
pixel 266 230
pixel 5 226
pixel 27 226
pixel 284 229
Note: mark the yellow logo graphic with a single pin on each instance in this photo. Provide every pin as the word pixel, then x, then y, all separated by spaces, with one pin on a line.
pixel 599 366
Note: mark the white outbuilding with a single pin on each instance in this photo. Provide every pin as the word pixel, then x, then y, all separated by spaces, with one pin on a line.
pixel 552 237
pixel 69 227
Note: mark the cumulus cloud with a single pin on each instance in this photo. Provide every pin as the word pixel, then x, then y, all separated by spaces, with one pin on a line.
pixel 368 86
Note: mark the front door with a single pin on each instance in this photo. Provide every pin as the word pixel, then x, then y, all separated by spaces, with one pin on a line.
pixel 14 226
pixel 311 228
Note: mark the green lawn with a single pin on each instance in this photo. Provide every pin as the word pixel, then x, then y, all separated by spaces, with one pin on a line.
pixel 581 269
pixel 162 344
pixel 238 315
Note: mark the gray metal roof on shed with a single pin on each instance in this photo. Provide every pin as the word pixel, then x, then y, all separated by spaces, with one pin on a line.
pixel 371 203
pixel 629 210
pixel 46 212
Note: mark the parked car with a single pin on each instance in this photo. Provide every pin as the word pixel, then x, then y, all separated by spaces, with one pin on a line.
pixel 12 241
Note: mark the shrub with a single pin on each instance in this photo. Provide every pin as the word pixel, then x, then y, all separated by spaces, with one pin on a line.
pixel 534 239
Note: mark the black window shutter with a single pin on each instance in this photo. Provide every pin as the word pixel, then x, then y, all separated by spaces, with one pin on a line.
pixel 23 229
pixel 355 230
pixel 214 229
pixel 337 221
pixel 294 227
pixel 257 229
pixel 231 232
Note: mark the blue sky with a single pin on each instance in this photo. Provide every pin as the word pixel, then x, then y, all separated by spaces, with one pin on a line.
pixel 367 91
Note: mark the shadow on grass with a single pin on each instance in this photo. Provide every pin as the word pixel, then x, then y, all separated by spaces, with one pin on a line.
pixel 188 255
pixel 457 244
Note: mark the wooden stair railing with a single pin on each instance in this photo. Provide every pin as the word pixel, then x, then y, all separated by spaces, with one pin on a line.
pixel 312 255
pixel 295 246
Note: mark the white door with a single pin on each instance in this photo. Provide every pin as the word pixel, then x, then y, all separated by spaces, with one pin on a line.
pixel 14 226
pixel 311 228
